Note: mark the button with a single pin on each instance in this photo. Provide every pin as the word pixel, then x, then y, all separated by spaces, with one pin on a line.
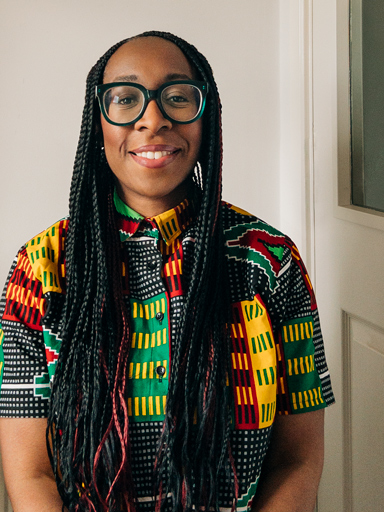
pixel 159 316
pixel 160 370
pixel 151 265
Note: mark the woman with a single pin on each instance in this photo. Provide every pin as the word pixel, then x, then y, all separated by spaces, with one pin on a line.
pixel 175 330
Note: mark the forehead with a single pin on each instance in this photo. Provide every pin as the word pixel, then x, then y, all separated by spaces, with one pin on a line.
pixel 147 56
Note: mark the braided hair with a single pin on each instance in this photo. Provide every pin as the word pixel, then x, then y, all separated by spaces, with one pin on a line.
pixel 88 428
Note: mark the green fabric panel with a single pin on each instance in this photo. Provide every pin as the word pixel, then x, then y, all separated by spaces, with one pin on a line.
pixel 244 253
pixel 150 344
pixel 245 499
pixel 124 209
pixel 304 384
pixel 42 386
pixel 277 251
pixel 52 343
pixel 300 346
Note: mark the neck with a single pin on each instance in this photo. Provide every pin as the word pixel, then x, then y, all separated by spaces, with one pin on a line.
pixel 149 206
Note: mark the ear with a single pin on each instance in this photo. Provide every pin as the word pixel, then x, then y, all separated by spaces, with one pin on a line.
pixel 98 130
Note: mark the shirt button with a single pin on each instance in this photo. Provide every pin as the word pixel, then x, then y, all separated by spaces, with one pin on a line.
pixel 159 316
pixel 160 370
pixel 151 265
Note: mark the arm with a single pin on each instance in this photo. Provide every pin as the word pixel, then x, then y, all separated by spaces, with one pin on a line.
pixel 292 469
pixel 28 474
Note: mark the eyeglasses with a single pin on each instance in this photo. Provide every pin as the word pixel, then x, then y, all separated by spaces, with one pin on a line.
pixel 124 103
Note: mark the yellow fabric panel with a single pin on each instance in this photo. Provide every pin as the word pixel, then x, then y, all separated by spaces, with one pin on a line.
pixel 166 222
pixel 40 250
pixel 257 325
pixel 240 210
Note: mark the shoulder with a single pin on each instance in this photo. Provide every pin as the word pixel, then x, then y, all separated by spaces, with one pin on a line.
pixel 233 217
pixel 45 253
pixel 261 247
pixel 268 257
pixel 248 236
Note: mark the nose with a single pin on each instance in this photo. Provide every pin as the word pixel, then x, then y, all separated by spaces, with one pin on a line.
pixel 153 119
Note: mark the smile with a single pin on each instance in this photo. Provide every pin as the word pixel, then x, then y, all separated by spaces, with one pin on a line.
pixel 153 155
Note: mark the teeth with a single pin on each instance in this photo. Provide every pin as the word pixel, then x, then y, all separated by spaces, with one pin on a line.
pixel 153 155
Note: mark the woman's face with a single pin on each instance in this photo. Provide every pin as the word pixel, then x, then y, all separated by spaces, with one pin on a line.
pixel 150 186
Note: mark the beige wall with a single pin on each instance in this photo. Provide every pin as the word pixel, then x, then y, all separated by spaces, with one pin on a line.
pixel 48 46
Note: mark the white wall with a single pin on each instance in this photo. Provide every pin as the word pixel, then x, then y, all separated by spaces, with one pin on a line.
pixel 47 48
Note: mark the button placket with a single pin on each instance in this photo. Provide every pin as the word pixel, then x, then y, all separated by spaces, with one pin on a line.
pixel 148 286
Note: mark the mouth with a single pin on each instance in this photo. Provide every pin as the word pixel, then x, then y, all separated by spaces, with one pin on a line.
pixel 155 155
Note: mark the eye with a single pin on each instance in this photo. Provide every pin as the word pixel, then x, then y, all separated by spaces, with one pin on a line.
pixel 177 97
pixel 125 101
pixel 123 97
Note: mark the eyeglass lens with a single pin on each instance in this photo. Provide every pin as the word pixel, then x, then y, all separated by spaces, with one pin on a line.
pixel 124 103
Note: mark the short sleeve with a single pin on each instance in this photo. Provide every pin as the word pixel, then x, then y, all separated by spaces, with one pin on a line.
pixel 303 377
pixel 24 388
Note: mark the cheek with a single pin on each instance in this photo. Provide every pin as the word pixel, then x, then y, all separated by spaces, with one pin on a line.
pixel 195 136
pixel 114 137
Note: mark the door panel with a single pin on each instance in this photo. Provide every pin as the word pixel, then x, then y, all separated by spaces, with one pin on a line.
pixel 349 248
pixel 363 355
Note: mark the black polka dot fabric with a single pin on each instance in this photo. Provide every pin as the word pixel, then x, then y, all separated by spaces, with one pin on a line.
pixel 277 354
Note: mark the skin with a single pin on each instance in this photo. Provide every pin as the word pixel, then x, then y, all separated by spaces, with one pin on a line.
pixel 150 187
pixel 28 474
pixel 293 466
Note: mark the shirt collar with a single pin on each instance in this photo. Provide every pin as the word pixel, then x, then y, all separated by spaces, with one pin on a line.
pixel 167 225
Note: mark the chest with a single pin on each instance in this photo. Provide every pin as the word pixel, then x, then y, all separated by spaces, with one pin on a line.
pixel 156 279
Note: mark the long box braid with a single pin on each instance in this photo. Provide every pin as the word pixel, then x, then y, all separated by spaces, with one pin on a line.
pixel 87 434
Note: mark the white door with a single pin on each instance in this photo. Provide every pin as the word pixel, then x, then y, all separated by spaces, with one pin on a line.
pixel 349 271
pixel 5 506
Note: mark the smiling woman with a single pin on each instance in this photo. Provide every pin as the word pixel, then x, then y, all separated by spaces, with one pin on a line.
pixel 153 155
pixel 169 338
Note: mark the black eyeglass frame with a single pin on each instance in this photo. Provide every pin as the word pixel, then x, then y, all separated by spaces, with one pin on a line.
pixel 152 95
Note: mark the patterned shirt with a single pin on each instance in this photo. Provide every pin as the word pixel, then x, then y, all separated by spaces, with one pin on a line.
pixel 278 362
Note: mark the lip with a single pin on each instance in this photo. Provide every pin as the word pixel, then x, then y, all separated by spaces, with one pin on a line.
pixel 155 147
pixel 160 162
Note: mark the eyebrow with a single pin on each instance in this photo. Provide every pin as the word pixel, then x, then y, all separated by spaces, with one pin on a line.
pixel 168 78
pixel 126 78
